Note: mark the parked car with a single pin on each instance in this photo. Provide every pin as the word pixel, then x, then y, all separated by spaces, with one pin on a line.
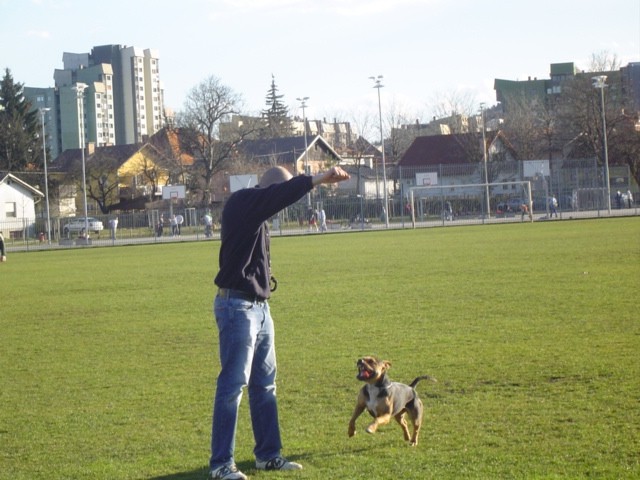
pixel 76 225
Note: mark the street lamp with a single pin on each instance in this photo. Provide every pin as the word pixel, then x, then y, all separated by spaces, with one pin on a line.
pixel 484 156
pixel 599 82
pixel 79 89
pixel 303 105
pixel 43 111
pixel 378 84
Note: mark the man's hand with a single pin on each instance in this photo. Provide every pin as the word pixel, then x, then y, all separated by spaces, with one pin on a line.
pixel 335 175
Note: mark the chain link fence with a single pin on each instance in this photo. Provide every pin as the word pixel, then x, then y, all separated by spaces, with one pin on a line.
pixel 578 186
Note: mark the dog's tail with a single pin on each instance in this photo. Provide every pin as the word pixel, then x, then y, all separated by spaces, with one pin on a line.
pixel 423 377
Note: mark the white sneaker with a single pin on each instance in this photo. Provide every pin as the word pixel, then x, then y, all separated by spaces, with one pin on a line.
pixel 227 472
pixel 278 463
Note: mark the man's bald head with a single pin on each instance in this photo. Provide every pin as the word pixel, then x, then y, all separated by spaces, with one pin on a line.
pixel 274 175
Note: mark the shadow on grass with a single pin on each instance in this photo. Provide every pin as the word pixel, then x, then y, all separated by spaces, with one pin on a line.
pixel 248 467
pixel 203 472
pixel 197 474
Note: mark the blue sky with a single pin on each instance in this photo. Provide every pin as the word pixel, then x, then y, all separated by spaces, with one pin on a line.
pixel 327 49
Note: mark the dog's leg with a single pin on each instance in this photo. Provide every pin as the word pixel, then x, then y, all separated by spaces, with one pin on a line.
pixel 416 416
pixel 403 424
pixel 416 431
pixel 381 420
pixel 356 413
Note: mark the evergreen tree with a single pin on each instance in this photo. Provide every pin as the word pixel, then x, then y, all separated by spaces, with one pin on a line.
pixel 276 115
pixel 19 127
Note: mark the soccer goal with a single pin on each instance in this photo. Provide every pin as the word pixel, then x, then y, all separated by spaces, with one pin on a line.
pixel 469 201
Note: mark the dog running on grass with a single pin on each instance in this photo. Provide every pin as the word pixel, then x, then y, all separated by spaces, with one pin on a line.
pixel 385 399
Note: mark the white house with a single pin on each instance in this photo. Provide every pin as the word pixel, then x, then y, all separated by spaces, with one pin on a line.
pixel 365 182
pixel 17 207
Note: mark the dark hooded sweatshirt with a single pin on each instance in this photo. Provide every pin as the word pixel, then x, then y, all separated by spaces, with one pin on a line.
pixel 244 250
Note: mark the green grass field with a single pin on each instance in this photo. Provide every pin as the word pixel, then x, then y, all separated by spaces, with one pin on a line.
pixel 108 356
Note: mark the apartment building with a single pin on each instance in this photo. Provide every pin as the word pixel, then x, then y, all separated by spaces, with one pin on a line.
pixel 138 91
pixel 122 104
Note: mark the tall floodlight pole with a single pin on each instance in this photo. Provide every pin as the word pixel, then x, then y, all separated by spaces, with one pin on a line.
pixel 484 157
pixel 80 88
pixel 43 111
pixel 599 82
pixel 378 84
pixel 303 105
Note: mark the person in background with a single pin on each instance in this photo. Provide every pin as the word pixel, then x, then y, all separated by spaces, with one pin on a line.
pixel 207 219
pixel 174 226
pixel 113 226
pixel 553 207
pixel 448 211
pixel 313 220
pixel 246 332
pixel 525 210
pixel 322 219
pixel 3 249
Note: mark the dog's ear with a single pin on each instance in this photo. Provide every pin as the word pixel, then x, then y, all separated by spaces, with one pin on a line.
pixel 386 364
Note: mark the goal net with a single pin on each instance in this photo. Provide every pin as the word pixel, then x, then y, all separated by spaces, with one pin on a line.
pixel 470 201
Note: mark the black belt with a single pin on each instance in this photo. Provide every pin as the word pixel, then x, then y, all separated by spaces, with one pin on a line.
pixel 230 293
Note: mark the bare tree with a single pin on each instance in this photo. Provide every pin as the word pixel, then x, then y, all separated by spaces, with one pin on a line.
pixel 206 106
pixel 358 149
pixel 530 126
pixel 581 112
pixel 396 143
pixel 604 62
pixel 580 115
pixel 454 110
pixel 102 188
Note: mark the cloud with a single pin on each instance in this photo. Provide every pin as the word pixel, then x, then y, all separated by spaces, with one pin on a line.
pixel 39 34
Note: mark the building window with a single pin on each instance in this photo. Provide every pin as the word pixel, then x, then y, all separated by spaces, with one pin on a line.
pixel 10 210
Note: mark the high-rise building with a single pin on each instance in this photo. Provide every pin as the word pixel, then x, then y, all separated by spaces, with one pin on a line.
pixel 98 101
pixel 122 104
pixel 138 94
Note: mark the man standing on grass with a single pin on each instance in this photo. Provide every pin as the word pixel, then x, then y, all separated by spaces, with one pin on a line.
pixel 245 326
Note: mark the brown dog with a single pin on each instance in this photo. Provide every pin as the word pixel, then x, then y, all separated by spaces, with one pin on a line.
pixel 384 399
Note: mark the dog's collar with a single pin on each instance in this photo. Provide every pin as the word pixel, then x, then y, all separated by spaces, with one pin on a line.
pixel 383 382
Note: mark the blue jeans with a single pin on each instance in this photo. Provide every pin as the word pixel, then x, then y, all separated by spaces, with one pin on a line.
pixel 247 357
